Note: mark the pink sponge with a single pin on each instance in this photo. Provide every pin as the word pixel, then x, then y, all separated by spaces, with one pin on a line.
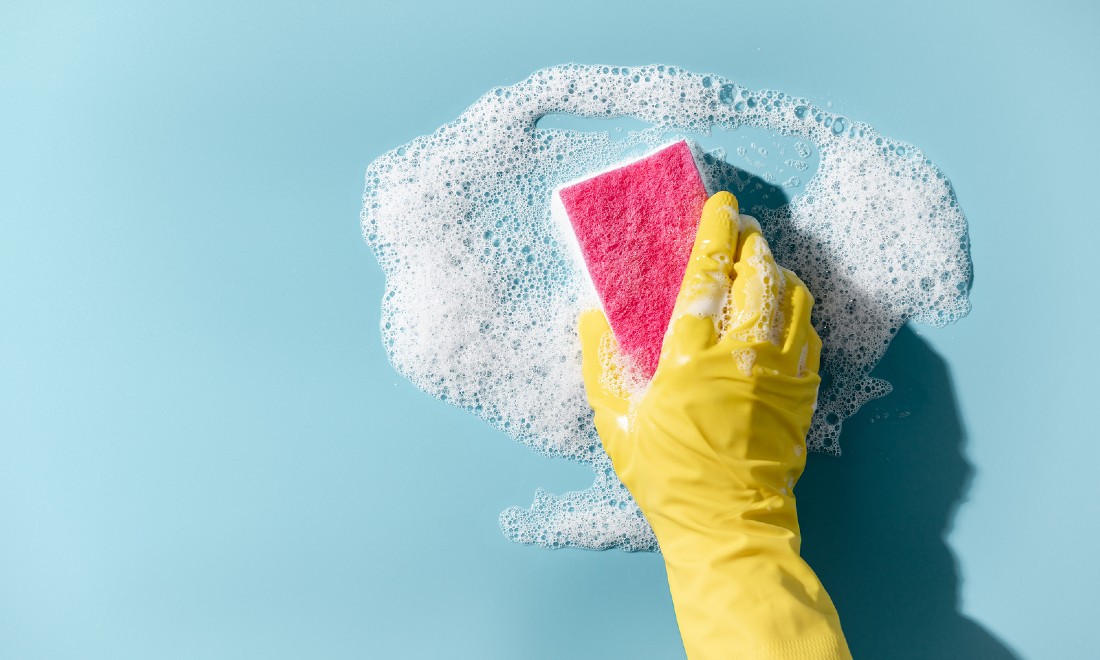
pixel 635 225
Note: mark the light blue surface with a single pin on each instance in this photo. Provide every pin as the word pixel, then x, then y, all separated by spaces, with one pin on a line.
pixel 204 453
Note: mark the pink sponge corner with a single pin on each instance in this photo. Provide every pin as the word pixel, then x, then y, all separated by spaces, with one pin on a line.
pixel 635 226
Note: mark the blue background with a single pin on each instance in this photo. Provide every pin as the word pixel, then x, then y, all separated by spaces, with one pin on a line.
pixel 205 454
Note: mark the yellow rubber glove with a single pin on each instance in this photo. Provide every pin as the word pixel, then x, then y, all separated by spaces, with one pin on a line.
pixel 712 448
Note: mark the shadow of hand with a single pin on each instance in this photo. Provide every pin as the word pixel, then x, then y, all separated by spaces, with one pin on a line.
pixel 874 522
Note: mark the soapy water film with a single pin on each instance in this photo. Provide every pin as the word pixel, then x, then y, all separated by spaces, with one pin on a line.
pixel 483 290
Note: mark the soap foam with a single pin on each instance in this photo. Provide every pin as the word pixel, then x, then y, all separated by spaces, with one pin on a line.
pixel 483 289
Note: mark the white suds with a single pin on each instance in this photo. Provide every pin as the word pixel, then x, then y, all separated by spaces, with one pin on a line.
pixel 483 290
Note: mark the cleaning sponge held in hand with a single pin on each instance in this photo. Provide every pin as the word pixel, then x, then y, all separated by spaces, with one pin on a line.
pixel 635 226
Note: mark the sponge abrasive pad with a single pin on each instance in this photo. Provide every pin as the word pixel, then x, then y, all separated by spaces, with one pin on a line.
pixel 635 226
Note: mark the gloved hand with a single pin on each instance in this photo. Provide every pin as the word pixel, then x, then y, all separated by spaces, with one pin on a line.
pixel 712 448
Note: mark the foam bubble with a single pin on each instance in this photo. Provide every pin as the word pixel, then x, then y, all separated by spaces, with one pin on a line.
pixel 483 290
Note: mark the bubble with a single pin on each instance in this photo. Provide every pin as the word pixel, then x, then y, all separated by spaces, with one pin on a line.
pixel 483 289
pixel 727 93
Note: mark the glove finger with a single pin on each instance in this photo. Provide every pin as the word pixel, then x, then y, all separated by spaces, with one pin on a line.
pixel 757 288
pixel 598 347
pixel 705 289
pixel 807 345
pixel 813 354
pixel 795 317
